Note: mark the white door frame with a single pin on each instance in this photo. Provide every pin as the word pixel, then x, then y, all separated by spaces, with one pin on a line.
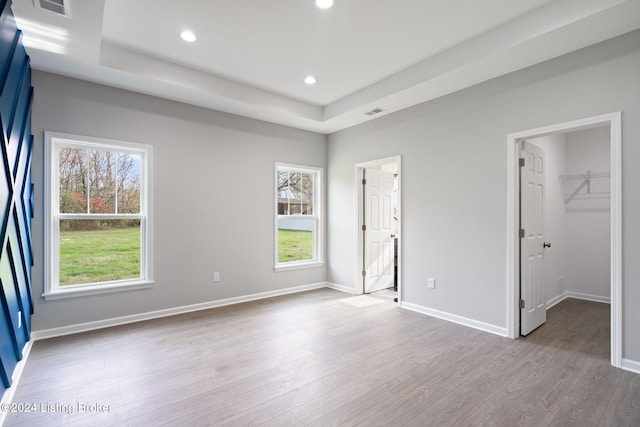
pixel 359 167
pixel 513 212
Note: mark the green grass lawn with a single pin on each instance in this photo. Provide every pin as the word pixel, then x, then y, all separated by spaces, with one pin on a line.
pixel 295 245
pixel 99 256
pixel 114 254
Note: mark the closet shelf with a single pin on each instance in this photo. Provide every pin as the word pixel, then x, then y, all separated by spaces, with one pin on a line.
pixel 587 186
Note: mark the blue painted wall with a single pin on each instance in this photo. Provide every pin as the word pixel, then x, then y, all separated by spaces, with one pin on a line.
pixel 16 195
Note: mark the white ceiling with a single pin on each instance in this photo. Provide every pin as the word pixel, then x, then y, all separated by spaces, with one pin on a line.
pixel 251 56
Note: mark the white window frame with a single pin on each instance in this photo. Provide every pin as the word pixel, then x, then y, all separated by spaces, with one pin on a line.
pixel 318 202
pixel 52 288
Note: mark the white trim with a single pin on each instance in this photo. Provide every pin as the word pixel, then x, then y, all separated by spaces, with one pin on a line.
pixel 318 209
pixel 299 265
pixel 464 321
pixel 588 297
pixel 52 290
pixel 556 300
pixel 577 295
pixel 9 393
pixel 630 365
pixel 340 288
pixel 86 290
pixel 513 315
pixel 617 338
pixel 98 143
pixel 359 250
pixel 106 323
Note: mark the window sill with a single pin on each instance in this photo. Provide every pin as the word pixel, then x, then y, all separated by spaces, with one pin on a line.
pixel 298 265
pixel 81 291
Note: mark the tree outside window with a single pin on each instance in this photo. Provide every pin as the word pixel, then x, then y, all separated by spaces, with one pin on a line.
pixel 98 214
pixel 297 222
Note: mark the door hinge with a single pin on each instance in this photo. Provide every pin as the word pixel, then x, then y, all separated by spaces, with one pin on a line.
pixel 522 233
pixel 521 162
pixel 521 303
pixel 364 273
pixel 364 182
pixel 364 227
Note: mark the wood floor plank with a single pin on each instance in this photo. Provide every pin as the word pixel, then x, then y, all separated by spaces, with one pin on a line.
pixel 324 358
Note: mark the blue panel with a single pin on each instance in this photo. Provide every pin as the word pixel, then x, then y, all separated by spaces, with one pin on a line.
pixel 8 277
pixel 20 112
pixel 22 295
pixel 16 195
pixel 27 202
pixel 8 360
pixel 8 40
pixel 6 188
pixel 21 275
pixel 23 218
pixel 10 98
pixel 21 128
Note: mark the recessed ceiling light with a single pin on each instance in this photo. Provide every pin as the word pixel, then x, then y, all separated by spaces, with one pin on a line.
pixel 188 36
pixel 310 80
pixel 324 4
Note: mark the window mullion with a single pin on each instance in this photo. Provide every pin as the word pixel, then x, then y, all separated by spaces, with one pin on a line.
pixel 116 185
pixel 99 216
pixel 288 193
pixel 88 187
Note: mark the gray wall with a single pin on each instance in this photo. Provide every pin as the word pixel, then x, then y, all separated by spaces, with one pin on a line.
pixel 213 196
pixel 578 261
pixel 454 178
pixel 589 230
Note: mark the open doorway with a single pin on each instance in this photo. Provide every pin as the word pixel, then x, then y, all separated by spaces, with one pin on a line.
pixel 578 192
pixel 379 225
pixel 570 256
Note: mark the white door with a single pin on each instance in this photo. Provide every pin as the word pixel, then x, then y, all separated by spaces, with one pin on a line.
pixel 379 230
pixel 532 244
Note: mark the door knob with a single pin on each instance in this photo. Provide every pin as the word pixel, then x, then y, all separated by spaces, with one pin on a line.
pixel 546 245
pixel 393 235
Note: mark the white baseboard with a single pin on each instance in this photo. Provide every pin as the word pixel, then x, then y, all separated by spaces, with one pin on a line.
pixel 556 300
pixel 588 297
pixel 106 323
pixel 486 327
pixel 577 295
pixel 341 288
pixel 631 365
pixel 7 396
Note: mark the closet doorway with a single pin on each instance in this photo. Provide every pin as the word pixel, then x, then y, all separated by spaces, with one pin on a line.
pixel 572 259
pixel 578 191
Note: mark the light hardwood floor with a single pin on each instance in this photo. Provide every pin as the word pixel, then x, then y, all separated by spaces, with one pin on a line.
pixel 324 358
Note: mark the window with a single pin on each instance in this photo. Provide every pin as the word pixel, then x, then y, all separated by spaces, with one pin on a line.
pixel 298 216
pixel 98 223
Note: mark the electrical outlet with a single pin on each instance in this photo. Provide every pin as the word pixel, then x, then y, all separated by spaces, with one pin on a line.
pixel 431 283
pixel 216 276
